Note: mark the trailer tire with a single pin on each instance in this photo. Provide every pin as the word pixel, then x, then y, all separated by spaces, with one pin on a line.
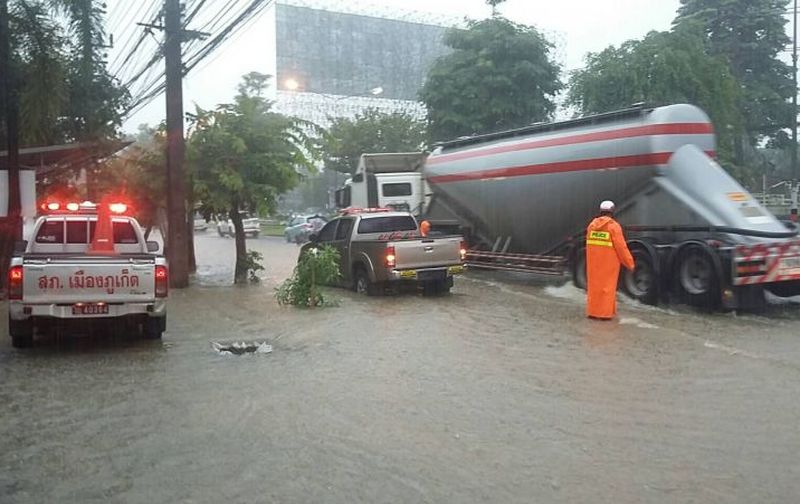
pixel 642 284
pixel 579 268
pixel 21 332
pixel 698 276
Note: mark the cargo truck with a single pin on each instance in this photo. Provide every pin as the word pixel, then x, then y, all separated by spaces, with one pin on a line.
pixel 524 197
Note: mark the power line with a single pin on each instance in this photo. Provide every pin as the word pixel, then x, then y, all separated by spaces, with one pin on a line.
pixel 117 69
pixel 233 27
pixel 194 12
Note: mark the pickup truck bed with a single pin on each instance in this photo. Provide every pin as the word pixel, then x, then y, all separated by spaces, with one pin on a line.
pixel 60 277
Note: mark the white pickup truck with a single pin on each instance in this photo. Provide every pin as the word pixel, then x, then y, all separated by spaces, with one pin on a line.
pixel 58 275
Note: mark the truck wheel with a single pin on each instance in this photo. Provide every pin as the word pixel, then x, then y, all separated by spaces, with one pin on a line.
pixel 21 332
pixel 697 281
pixel 642 283
pixel 154 327
pixel 362 284
pixel 579 269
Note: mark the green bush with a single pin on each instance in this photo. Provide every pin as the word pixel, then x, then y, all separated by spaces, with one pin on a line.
pixel 316 266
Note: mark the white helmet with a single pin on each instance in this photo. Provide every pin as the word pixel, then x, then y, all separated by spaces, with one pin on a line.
pixel 607 206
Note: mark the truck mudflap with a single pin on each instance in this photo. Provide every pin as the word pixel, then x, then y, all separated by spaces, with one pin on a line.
pixel 766 263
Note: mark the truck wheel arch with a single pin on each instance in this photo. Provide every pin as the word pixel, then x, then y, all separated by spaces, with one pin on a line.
pixel 363 261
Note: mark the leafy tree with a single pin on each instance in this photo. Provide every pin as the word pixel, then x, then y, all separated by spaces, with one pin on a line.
pixel 138 176
pixel 499 75
pixel 65 91
pixel 751 35
pixel 371 131
pixel 243 156
pixel 662 68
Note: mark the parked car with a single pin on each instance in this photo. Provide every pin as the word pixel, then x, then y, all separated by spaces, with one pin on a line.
pixel 200 223
pixel 302 226
pixel 252 226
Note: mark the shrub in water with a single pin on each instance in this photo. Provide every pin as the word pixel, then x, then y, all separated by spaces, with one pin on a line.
pixel 316 266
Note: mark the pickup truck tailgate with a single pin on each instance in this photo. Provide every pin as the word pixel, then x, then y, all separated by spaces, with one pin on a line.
pixel 87 279
pixel 427 253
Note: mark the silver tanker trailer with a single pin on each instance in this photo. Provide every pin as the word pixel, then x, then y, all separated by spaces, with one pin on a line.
pixel 526 195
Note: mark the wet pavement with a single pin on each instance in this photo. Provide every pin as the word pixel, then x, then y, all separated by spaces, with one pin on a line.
pixel 501 392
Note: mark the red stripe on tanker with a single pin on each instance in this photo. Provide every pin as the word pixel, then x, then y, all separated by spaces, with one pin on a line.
pixel 660 158
pixel 616 134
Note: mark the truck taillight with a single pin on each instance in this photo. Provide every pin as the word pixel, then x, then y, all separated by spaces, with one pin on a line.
pixel 390 259
pixel 463 250
pixel 162 281
pixel 15 280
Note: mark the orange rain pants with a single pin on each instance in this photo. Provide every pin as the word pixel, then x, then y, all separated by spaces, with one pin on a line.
pixel 605 250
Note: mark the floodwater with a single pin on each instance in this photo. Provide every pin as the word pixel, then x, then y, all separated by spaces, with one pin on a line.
pixel 501 392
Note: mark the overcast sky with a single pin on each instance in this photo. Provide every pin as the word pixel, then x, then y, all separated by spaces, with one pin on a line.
pixel 577 26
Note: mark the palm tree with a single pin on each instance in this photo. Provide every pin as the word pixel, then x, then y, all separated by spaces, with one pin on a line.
pixel 65 92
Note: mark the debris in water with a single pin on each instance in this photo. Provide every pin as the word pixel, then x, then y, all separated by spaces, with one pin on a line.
pixel 242 348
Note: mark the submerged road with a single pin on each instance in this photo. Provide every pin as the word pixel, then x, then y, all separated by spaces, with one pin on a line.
pixel 501 392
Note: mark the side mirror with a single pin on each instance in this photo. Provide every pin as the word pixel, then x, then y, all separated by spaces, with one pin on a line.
pixel 152 246
pixel 20 246
pixel 313 238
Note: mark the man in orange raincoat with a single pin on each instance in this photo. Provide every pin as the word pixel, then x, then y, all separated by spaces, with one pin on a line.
pixel 605 251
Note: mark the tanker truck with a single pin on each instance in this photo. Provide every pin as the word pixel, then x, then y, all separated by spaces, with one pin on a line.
pixel 524 197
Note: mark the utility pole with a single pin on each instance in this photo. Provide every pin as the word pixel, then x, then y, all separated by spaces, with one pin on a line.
pixel 793 212
pixel 12 231
pixel 178 235
pixel 177 239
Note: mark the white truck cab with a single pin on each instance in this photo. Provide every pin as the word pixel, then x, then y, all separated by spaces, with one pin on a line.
pixel 391 181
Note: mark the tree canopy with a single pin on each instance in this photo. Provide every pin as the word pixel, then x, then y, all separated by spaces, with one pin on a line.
pixel 662 68
pixel 370 131
pixel 242 156
pixel 750 35
pixel 65 91
pixel 499 75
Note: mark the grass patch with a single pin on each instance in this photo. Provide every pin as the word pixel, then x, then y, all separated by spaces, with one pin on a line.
pixel 272 229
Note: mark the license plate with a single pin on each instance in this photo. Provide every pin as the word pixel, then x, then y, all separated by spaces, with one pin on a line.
pixel 408 274
pixel 90 309
pixel 432 275
pixel 789 266
pixel 456 270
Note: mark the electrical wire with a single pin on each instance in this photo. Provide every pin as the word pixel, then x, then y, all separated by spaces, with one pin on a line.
pixel 233 27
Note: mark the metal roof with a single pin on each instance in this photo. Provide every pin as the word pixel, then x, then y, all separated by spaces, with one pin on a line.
pixel 53 157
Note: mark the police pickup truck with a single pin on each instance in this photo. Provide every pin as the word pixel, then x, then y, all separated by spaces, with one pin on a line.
pixel 379 248
pixel 86 262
